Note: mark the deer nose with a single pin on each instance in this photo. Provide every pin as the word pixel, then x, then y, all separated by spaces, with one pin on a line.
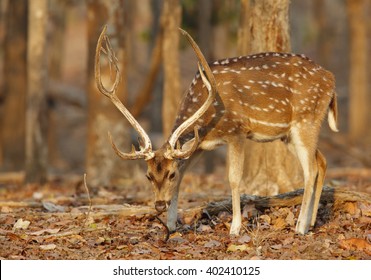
pixel 160 206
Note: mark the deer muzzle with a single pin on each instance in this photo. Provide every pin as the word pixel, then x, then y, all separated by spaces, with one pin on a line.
pixel 162 205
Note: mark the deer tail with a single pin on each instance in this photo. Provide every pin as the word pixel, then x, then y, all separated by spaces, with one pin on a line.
pixel 333 114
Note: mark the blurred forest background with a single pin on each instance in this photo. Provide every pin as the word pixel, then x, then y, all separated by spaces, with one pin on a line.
pixel 53 121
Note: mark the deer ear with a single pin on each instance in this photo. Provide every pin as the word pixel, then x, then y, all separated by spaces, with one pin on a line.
pixel 141 143
pixel 188 145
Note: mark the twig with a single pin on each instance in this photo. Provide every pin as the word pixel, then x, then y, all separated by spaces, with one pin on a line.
pixel 165 226
pixel 90 204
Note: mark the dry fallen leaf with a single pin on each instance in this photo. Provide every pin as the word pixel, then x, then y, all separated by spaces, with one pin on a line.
pixel 290 219
pixel 51 207
pixel 204 228
pixel 244 239
pixel 20 224
pixel 356 244
pixel 234 248
pixel 100 240
pixel 212 244
pixel 265 218
pixel 48 247
pixel 365 209
pixel 350 207
pixel 279 223
pixel 276 247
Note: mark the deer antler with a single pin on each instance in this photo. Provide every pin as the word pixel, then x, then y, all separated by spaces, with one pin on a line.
pixel 210 84
pixel 145 149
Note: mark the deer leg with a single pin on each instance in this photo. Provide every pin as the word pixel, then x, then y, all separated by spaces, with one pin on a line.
pixel 307 159
pixel 310 172
pixel 321 165
pixel 235 172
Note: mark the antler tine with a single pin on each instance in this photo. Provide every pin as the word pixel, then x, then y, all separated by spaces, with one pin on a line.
pixel 146 151
pixel 133 155
pixel 210 84
pixel 178 153
pixel 201 59
pixel 112 60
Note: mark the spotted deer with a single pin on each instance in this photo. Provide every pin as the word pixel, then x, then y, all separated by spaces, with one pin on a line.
pixel 263 97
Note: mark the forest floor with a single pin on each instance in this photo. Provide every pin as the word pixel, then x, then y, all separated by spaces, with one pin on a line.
pixel 54 221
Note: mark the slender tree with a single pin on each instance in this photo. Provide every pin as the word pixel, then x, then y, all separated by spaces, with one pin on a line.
pixel 56 46
pixel 36 113
pixel 171 19
pixel 205 44
pixel 15 86
pixel 358 106
pixel 102 165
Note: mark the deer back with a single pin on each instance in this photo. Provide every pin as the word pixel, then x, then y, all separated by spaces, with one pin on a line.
pixel 261 96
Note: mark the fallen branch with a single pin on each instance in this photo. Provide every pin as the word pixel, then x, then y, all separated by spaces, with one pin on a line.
pixel 90 204
pixel 76 231
pixel 14 177
pixel 21 204
pixel 329 195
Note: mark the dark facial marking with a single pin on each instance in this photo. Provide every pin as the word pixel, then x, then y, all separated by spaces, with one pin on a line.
pixel 159 167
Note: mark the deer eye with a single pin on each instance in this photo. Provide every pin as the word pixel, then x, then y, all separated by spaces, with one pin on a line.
pixel 149 177
pixel 172 176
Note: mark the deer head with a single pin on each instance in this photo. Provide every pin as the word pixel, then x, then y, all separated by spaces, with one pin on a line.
pixel 166 165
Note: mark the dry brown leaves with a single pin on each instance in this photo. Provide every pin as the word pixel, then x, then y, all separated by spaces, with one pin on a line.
pixel 38 232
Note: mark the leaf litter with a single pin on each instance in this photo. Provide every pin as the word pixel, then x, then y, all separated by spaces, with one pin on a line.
pixel 68 231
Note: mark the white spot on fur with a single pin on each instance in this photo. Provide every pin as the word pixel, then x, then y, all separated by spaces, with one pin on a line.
pixel 223 62
pixel 269 123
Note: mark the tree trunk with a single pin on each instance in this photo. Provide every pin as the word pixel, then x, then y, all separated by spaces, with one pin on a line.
pixel 102 164
pixel 205 28
pixel 205 43
pixel 244 34
pixel 36 113
pixel 15 86
pixel 269 167
pixel 56 56
pixel 358 107
pixel 171 19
